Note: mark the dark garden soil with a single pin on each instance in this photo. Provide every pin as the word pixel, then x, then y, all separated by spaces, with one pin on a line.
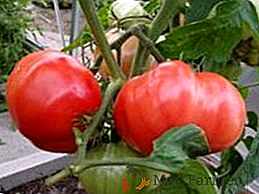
pixel 67 186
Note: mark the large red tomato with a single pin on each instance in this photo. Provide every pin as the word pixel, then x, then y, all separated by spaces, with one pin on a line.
pixel 172 95
pixel 46 92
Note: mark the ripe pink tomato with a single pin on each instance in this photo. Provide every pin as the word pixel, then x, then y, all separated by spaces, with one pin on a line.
pixel 46 92
pixel 172 95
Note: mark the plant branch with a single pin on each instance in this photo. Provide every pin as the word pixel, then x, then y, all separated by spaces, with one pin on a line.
pixel 126 161
pixel 97 118
pixel 168 10
pixel 59 176
pixel 87 164
pixel 145 41
pixel 99 35
pixel 251 85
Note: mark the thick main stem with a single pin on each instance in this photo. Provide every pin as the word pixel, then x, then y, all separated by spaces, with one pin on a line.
pixel 168 10
pixel 99 35
pixel 109 94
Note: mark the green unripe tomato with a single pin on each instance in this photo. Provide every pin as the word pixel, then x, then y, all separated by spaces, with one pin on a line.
pixel 109 179
pixel 130 9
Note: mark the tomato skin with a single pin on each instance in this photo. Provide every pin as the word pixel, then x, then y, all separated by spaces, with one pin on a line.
pixel 46 92
pixel 109 179
pixel 172 95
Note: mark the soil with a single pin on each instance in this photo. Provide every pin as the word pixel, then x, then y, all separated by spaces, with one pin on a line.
pixel 67 186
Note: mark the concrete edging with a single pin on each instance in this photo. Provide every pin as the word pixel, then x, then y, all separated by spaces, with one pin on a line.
pixel 26 169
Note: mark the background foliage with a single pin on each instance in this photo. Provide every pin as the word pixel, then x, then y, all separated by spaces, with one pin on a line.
pixel 13 23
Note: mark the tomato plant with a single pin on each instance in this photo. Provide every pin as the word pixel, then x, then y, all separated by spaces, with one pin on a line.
pixel 46 92
pixel 171 95
pixel 169 114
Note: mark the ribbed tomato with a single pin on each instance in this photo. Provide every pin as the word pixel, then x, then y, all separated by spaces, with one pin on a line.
pixel 172 95
pixel 46 92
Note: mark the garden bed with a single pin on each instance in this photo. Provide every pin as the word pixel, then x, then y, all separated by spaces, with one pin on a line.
pixel 69 185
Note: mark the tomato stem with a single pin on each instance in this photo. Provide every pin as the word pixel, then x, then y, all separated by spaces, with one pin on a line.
pixel 145 41
pixel 123 162
pixel 168 10
pixel 59 176
pixel 251 85
pixel 115 45
pixel 94 23
pixel 109 94
pixel 87 164
pixel 97 118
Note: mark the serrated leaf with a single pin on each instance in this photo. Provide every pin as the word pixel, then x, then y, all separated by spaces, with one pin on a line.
pixel 193 178
pixel 252 119
pixel 214 37
pixel 178 145
pixel 247 172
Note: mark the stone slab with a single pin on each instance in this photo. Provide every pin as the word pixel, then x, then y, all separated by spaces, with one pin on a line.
pixel 21 161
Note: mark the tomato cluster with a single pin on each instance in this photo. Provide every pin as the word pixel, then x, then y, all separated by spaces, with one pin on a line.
pixel 48 91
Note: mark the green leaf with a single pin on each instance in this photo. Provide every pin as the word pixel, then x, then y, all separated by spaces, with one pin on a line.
pixel 214 37
pixel 178 145
pixel 247 172
pixel 244 92
pixel 252 119
pixel 232 71
pixel 250 17
pixel 193 178
pixel 248 141
pixel 152 6
pixel 199 9
pixel 231 159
